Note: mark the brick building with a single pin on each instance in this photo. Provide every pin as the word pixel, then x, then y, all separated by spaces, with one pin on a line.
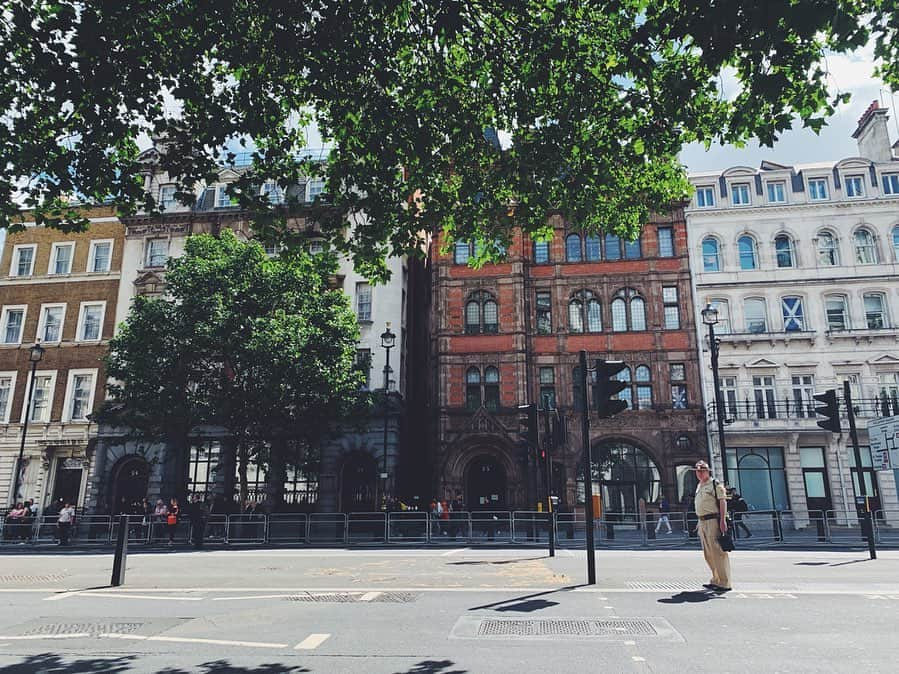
pixel 509 334
pixel 60 290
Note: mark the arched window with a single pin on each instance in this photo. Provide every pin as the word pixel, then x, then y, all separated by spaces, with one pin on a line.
pixel 633 250
pixel 584 312
pixel 828 253
pixel 628 311
pixel 756 314
pixel 783 249
pixel 593 248
pixel 896 243
pixel 481 314
pixel 541 252
pixel 573 248
pixel 472 389
pixel 613 247
pixel 749 258
pixel 491 388
pixel 865 252
pixel 644 387
pixel 723 325
pixel 711 260
pixel 461 252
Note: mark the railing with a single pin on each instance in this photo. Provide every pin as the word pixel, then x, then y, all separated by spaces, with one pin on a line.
pixel 767 410
pixel 756 528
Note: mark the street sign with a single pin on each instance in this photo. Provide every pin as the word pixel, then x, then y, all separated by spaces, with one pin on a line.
pixel 883 435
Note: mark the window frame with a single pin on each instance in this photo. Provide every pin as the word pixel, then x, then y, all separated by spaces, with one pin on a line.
pixel 833 251
pixel 6 410
pixel 706 258
pixel 812 185
pixel 40 335
pixel 545 309
pixel 82 310
pixel 669 304
pixel 55 247
pixel 4 322
pixel 746 319
pixel 52 375
pixel 578 250
pixel 889 183
pixel 799 319
pixel 163 202
pixel 545 247
pixel 725 323
pixel 743 190
pixel 707 200
pixel 547 384
pixel 754 252
pixel 894 238
pixel 269 188
pixel 641 386
pixel 627 295
pixel 148 248
pixel 462 246
pixel 844 301
pixel 69 396
pixel 790 251
pixel 480 299
pixel 669 241
pixel 14 259
pixel 310 184
pixel 679 395
pixel 884 315
pixel 92 256
pixel 584 298
pixel 363 289
pixel 859 181
pixel 221 194
pixel 771 191
pixel 870 246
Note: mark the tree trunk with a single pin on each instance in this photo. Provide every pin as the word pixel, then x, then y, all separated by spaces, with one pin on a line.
pixel 243 458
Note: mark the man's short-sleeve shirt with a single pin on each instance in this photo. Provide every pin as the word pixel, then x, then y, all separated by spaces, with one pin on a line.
pixel 707 496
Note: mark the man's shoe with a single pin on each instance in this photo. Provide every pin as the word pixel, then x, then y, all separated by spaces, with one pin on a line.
pixel 710 586
pixel 721 590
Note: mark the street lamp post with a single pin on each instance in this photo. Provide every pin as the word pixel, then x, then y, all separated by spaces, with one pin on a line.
pixel 35 355
pixel 388 341
pixel 710 318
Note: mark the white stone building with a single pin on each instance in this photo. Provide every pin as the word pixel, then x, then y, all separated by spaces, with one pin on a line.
pixel 802 263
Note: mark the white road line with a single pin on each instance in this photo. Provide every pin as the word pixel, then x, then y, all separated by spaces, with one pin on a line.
pixel 455 551
pixel 630 643
pixel 190 640
pixel 117 595
pixel 34 637
pixel 62 595
pixel 637 658
pixel 312 641
pixel 255 596
pixel 368 596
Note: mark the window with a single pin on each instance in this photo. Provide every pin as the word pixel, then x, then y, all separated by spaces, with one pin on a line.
pixel 491 389
pixel 869 475
pixel 61 258
pixel 541 252
pixel 835 306
pixel 628 311
pixel 544 313
pixel 473 392
pixel 794 320
pixel 756 315
pixel 157 252
pixel 22 260
pixel 223 199
pixel 363 364
pixel 672 310
pixel 723 325
pixel 271 248
pixel 711 260
pixel 765 400
pixel 201 469
pixel 7 388
pixel 890 182
pixel 729 393
pixel 79 395
pixel 677 373
pixel 472 389
pixel 316 247
pixel 573 248
pixel 828 253
pixel 817 189
pixel 584 310
pixel 42 398
pixel 461 252
pixel 777 193
pixel 889 388
pixel 666 241
pixel 758 473
pixel 13 322
pixel 749 258
pixel 272 192
pixel 593 248
pixel 90 321
pixel 783 249
pixel 865 252
pixel 803 390
pixel 481 314
pixel 633 249
pixel 740 194
pixel 705 196
pixel 49 327
pixel 547 377
pixel 855 186
pixel 875 313
pixel 613 247
pixel 896 243
pixel 363 302
pixel 643 378
pixel 100 256
pixel 166 197
pixel 314 188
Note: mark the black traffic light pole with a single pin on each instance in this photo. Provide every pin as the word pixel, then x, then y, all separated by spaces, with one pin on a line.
pixel 588 475
pixel 867 520
pixel 547 472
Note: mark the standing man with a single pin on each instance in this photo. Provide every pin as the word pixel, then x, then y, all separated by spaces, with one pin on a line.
pixel 64 523
pixel 197 521
pixel 710 504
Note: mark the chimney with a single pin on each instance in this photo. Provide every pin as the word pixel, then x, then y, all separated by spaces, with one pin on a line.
pixel 872 135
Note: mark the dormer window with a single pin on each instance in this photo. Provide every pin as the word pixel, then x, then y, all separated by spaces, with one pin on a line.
pixel 739 194
pixel 705 196
pixel 777 193
pixel 314 188
pixel 817 189
pixel 890 183
pixel 855 186
pixel 223 199
pixel 272 192
pixel 167 197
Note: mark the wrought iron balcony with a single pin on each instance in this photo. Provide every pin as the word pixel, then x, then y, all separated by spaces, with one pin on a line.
pixel 788 409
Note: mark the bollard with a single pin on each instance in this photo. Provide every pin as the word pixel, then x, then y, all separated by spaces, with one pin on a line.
pixel 650 529
pixel 121 552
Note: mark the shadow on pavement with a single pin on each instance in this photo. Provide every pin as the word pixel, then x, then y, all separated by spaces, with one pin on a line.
pixel 51 663
pixel 434 667
pixel 528 606
pixel 693 597
pixel 497 561
pixel 851 561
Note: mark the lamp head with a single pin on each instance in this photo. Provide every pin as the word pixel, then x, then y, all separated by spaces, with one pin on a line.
pixel 36 353
pixel 388 339
pixel 710 314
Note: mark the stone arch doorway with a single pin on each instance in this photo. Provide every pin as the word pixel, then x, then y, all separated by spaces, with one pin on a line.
pixel 485 484
pixel 623 473
pixel 129 479
pixel 358 483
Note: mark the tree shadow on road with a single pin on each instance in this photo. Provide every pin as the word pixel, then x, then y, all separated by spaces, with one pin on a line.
pixel 434 667
pixel 51 663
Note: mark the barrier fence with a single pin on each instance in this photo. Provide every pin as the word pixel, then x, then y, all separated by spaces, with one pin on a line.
pixel 756 528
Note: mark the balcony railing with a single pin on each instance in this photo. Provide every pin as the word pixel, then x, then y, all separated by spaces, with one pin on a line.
pixel 788 409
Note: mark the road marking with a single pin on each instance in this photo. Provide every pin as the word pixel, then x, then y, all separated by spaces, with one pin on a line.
pixel 255 596
pixel 368 596
pixel 630 643
pixel 637 658
pixel 312 641
pixel 455 551
pixel 118 595
pixel 190 640
pixel 32 637
pixel 62 595
pixel 611 607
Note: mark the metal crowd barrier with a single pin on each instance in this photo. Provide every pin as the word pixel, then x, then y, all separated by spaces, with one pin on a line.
pixel 287 528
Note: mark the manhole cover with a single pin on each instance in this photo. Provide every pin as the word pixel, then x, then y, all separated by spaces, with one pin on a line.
pixel 666 586
pixel 354 597
pixel 561 627
pixel 81 628
pixel 49 578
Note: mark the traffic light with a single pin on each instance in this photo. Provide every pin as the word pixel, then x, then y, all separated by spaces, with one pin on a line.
pixel 830 409
pixel 527 429
pixel 606 386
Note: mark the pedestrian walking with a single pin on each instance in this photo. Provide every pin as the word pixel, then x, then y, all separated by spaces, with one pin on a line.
pixel 664 509
pixel 710 504
pixel 64 523
pixel 171 519
pixel 197 514
pixel 737 506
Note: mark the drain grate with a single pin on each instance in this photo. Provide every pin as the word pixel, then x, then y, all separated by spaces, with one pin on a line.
pixel 89 628
pixel 666 586
pixel 566 627
pixel 49 578
pixel 354 597
pixel 395 597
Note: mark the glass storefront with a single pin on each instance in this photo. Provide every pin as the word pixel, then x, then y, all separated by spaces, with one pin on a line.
pixel 758 474
pixel 623 474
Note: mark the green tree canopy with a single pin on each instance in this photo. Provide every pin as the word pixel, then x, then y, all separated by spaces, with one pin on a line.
pixel 598 97
pixel 262 347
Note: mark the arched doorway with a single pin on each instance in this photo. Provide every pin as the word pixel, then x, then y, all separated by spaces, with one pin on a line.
pixel 623 474
pixel 129 478
pixel 485 484
pixel 358 484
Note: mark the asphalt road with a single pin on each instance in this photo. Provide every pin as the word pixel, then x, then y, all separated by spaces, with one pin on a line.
pixel 447 612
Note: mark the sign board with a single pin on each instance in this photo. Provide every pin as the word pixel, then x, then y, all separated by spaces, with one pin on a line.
pixel 883 435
